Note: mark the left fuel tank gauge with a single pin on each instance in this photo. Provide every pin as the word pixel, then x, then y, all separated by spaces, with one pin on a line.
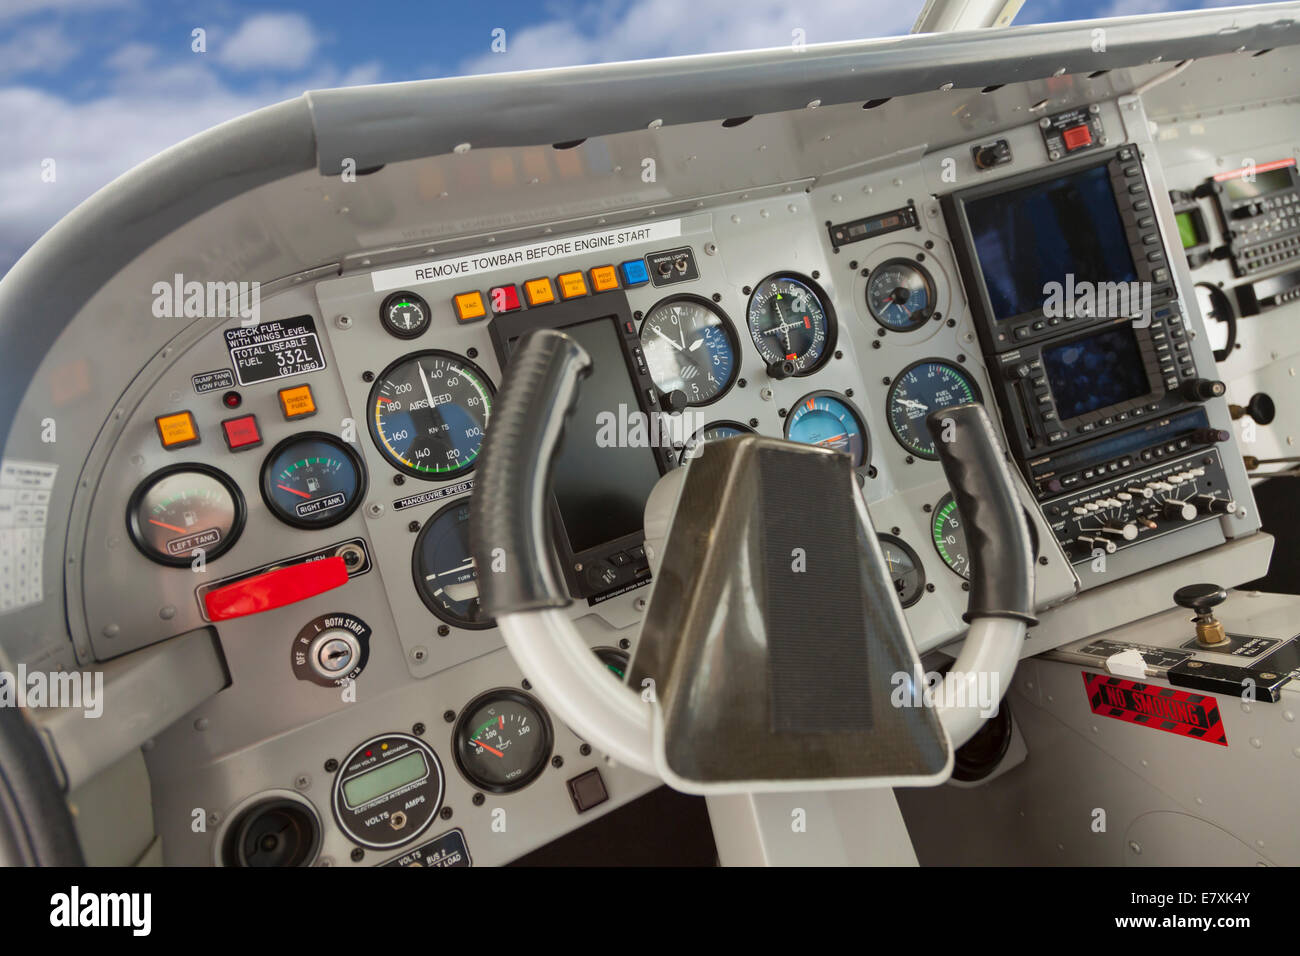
pixel 183 510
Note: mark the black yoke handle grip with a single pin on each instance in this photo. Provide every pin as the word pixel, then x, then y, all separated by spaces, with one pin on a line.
pixel 508 527
pixel 997 531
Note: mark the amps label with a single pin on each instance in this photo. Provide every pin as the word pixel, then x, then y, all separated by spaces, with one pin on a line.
pixel 1161 708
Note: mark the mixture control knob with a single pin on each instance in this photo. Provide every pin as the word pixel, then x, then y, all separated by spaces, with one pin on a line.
pixel 1260 408
pixel 1214 505
pixel 1121 529
pixel 1201 600
pixel 1173 508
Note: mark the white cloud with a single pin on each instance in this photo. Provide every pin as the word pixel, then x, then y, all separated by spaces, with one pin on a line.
pixel 150 107
pixel 42 49
pixel 270 41
pixel 657 28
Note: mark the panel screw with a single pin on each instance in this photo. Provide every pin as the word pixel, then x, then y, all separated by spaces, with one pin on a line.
pixel 1042 559
pixel 853 264
pixel 443 630
pixel 358 854
pixel 471 353
pixel 624 643
pixel 753 423
pixel 418 654
pixel 367 376
pixel 331 765
pixel 741 383
pixel 448 715
pixel 418 730
pixel 585 750
pixel 839 354
pixel 399 480
pixel 445 813
pixel 717 297
pixel 301 782
pixel 413 527
pixel 557 761
pixel 526 685
pixel 478 799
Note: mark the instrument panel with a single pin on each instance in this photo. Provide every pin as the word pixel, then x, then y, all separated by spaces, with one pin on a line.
pixel 350 429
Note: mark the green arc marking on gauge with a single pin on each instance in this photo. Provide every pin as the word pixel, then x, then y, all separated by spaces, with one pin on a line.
pixel 936 531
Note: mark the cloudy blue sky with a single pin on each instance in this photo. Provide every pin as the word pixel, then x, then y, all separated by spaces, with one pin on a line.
pixel 100 85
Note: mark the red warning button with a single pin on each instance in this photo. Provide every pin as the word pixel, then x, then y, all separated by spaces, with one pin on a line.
pixel 241 432
pixel 1077 137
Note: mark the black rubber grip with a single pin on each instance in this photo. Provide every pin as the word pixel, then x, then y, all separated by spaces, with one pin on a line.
pixel 997 531
pixel 508 529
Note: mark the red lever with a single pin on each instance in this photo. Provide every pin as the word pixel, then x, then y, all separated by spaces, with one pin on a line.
pixel 262 592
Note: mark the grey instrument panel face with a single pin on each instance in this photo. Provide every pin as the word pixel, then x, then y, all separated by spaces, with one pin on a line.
pixel 268 729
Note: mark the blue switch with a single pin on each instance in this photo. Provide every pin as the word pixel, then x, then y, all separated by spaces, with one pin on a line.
pixel 634 272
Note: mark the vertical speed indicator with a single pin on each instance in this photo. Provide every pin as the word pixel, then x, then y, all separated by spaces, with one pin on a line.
pixel 429 412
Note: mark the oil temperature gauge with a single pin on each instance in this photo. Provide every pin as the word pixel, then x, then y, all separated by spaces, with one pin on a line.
pixel 502 740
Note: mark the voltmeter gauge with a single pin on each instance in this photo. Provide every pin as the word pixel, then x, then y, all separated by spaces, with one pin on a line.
pixel 949 535
pixel 918 390
pixel 312 480
pixel 429 412
pixel 904 569
pixel 184 510
pixel 405 315
pixel 502 740
pixel 900 295
pixel 388 791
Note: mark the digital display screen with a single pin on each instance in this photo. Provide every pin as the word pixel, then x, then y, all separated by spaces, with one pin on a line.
pixel 1096 371
pixel 384 779
pixel 602 485
pixel 1262 185
pixel 1028 237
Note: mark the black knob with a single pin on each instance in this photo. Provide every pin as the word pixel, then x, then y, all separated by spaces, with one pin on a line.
pixel 1210 436
pixel 782 369
pixel 1201 598
pixel 1175 509
pixel 1214 505
pixel 1203 389
pixel 675 401
pixel 1261 408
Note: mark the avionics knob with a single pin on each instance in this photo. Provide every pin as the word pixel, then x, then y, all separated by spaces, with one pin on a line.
pixel 1209 436
pixel 1173 508
pixel 1203 389
pixel 1121 529
pixel 782 369
pixel 1142 491
pixel 1214 505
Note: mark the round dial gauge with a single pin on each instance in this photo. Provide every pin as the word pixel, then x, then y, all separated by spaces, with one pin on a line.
pixel 502 740
pixel 388 791
pixel 790 320
pixel 713 431
pixel 690 348
pixel 404 315
pixel 918 390
pixel 184 509
pixel 429 412
pixel 312 480
pixel 614 659
pixel 444 572
pixel 950 536
pixel 904 568
pixel 828 420
pixel 900 295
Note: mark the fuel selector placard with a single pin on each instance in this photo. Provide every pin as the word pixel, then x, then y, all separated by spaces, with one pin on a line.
pixel 388 791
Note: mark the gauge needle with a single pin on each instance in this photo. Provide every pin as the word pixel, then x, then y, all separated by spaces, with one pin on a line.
pixel 659 332
pixel 425 380
pixel 438 574
pixel 911 403
pixel 491 750
pixel 695 345
pixel 839 437
pixel 292 491
pixel 169 527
